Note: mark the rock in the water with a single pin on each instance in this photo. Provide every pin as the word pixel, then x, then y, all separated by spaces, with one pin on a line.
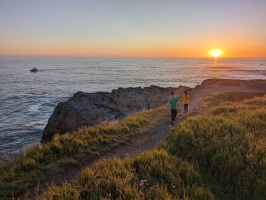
pixel 88 109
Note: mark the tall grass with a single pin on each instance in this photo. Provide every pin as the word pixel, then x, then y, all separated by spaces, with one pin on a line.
pixel 151 175
pixel 229 146
pixel 35 164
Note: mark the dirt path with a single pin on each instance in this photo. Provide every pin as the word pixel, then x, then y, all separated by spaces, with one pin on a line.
pixel 148 139
pixel 145 140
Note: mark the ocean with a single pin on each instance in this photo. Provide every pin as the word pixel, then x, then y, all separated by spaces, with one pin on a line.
pixel 28 99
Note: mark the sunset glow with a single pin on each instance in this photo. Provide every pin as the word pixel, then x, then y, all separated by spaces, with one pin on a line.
pixel 216 53
pixel 108 29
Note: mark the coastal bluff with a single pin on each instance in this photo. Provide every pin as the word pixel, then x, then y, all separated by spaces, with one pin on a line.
pixel 88 109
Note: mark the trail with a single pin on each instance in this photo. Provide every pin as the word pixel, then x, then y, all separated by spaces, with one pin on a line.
pixel 150 138
pixel 139 142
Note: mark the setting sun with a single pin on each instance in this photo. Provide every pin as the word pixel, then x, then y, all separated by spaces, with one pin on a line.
pixel 215 53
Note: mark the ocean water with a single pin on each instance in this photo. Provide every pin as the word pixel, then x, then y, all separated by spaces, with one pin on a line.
pixel 28 99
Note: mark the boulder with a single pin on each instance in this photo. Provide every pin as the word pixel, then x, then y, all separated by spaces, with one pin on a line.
pixel 89 109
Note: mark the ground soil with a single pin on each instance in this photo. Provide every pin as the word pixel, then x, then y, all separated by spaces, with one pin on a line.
pixel 152 137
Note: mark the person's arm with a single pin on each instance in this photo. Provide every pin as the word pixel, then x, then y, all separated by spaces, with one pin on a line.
pixel 168 102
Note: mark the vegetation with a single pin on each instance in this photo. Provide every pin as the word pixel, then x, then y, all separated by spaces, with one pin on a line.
pixel 228 146
pixel 151 175
pixel 37 162
pixel 216 154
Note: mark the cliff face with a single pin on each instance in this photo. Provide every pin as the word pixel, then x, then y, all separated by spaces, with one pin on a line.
pixel 88 109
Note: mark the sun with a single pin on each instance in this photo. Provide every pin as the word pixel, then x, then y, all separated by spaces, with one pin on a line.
pixel 216 53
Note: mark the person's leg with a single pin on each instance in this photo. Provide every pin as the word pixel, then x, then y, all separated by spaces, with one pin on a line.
pixel 174 115
pixel 186 108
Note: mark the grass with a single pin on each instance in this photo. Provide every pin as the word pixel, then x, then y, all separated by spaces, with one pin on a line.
pixel 151 175
pixel 37 162
pixel 223 149
pixel 219 154
pixel 228 146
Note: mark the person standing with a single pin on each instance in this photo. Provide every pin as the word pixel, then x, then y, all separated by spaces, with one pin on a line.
pixel 173 106
pixel 185 100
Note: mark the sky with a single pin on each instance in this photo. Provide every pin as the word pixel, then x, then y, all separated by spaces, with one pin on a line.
pixel 139 28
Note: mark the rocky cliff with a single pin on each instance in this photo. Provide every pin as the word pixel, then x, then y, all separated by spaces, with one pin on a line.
pixel 88 109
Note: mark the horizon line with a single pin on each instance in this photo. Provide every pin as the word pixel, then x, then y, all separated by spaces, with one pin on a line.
pixel 124 57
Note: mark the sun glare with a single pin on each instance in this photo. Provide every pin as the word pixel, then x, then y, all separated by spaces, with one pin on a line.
pixel 215 53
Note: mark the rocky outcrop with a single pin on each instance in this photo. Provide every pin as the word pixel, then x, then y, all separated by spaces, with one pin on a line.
pixel 88 109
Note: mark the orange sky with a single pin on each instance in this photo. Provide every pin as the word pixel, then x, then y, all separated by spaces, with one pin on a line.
pixel 133 29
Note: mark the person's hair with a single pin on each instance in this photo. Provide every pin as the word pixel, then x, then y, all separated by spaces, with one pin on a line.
pixel 185 93
pixel 172 93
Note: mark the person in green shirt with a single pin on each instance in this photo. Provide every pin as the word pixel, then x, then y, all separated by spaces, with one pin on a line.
pixel 173 106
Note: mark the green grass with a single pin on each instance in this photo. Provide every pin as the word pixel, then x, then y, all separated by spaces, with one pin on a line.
pixel 151 175
pixel 16 176
pixel 228 144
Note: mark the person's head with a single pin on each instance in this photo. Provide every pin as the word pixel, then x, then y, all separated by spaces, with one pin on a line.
pixel 172 93
pixel 185 92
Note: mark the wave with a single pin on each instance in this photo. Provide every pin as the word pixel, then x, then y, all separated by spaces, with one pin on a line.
pixel 34 108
